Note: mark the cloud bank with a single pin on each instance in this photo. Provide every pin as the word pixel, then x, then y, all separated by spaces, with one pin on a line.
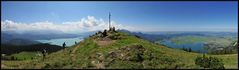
pixel 90 23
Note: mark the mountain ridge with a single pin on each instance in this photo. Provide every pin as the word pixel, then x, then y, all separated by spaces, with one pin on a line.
pixel 122 51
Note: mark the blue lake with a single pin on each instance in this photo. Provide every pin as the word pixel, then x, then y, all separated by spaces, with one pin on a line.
pixel 197 47
pixel 69 41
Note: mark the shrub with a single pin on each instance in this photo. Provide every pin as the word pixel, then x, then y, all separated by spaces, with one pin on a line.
pixel 12 58
pixel 47 65
pixel 209 62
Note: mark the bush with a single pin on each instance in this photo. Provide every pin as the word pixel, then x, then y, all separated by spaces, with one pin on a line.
pixel 47 65
pixel 209 62
pixel 187 49
pixel 12 58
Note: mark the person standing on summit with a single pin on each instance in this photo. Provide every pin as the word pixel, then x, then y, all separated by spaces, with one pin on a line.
pixel 64 45
pixel 44 53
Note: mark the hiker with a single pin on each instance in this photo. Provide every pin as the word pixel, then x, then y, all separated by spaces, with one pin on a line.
pixel 75 42
pixel 44 53
pixel 64 45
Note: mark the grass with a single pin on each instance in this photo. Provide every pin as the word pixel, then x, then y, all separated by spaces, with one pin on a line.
pixel 26 55
pixel 230 60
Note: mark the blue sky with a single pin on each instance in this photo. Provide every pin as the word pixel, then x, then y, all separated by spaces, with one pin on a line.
pixel 141 16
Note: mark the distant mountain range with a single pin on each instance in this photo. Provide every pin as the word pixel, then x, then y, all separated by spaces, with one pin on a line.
pixel 155 36
pixel 14 42
pixel 28 38
pixel 35 35
pixel 149 37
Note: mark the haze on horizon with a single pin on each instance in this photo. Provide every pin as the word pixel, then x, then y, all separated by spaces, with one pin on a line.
pixel 77 17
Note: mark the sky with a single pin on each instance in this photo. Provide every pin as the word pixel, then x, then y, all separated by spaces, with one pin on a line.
pixel 83 16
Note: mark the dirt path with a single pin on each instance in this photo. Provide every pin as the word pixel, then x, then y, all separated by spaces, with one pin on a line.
pixel 103 43
pixel 4 66
pixel 73 52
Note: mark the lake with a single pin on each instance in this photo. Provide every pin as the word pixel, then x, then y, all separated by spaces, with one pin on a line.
pixel 69 41
pixel 197 47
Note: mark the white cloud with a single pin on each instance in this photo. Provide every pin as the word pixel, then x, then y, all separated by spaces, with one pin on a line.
pixel 85 24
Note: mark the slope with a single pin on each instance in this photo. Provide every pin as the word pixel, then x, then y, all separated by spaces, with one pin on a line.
pixel 126 51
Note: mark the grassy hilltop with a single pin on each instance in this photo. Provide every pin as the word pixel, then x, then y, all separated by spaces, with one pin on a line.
pixel 118 50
